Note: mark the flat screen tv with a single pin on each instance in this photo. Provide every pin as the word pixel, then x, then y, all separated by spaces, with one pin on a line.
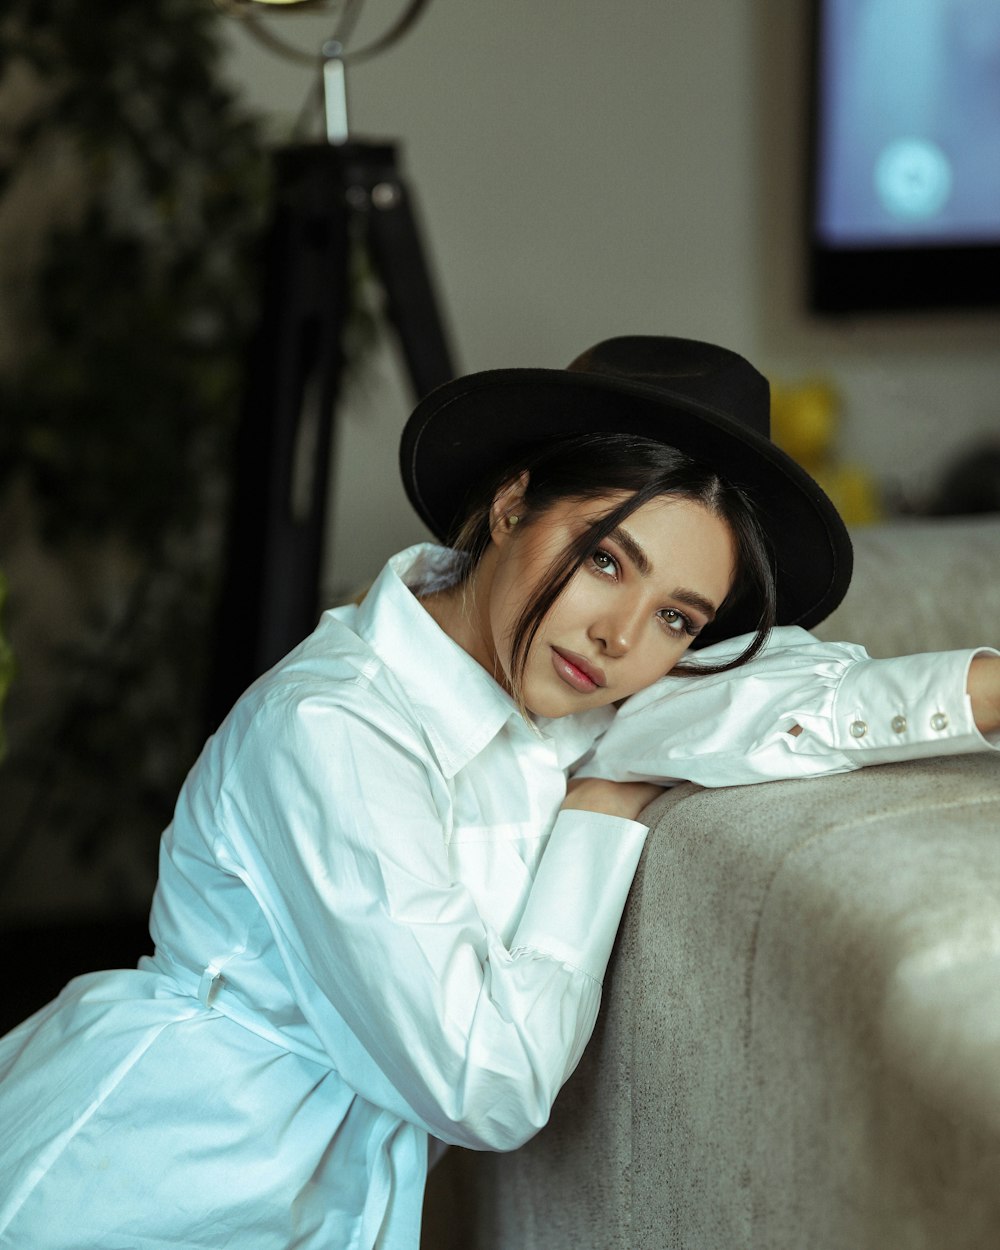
pixel 904 204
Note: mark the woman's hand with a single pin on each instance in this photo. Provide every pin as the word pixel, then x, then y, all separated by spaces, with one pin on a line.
pixel 984 690
pixel 611 798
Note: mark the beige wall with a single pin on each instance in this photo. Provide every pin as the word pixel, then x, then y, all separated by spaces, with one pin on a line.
pixel 585 170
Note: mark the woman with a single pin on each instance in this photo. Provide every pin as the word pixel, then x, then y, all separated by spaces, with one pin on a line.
pixel 389 893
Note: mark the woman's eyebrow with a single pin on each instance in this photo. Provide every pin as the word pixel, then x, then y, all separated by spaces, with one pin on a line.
pixel 643 564
pixel 632 549
pixel 693 600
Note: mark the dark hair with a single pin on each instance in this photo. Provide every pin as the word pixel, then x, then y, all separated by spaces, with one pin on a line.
pixel 590 466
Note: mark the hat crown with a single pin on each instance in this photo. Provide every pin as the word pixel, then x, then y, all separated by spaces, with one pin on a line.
pixel 686 370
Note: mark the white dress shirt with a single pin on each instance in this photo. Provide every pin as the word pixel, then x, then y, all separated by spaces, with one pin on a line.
pixel 374 928
pixel 373 924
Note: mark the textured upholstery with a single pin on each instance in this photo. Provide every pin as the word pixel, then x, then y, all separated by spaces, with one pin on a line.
pixel 800 1039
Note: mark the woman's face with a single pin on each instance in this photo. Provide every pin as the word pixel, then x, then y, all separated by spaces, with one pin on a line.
pixel 629 613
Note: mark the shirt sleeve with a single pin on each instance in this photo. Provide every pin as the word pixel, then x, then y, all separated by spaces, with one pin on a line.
pixel 735 728
pixel 344 818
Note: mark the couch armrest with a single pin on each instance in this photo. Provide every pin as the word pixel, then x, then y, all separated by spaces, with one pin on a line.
pixel 800 1044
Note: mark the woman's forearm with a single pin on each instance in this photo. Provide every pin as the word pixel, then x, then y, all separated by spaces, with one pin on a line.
pixel 611 798
pixel 984 691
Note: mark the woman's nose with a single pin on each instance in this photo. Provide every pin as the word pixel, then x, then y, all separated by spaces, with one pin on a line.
pixel 615 633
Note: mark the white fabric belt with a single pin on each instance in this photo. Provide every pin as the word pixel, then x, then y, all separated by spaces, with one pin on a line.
pixel 208 985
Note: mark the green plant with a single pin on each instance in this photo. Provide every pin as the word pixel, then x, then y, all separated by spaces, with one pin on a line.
pixel 120 395
pixel 143 297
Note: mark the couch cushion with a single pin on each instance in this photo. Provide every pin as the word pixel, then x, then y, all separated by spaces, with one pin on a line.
pixel 922 585
pixel 800 1044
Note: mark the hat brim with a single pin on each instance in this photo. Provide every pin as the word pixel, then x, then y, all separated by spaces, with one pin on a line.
pixel 467 429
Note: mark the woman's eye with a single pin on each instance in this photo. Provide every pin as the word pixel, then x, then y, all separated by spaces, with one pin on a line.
pixel 676 621
pixel 605 563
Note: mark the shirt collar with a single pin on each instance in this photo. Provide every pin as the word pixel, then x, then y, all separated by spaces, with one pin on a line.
pixel 459 704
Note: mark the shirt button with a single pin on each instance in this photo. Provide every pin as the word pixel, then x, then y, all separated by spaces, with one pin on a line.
pixel 899 724
pixel 858 729
pixel 939 721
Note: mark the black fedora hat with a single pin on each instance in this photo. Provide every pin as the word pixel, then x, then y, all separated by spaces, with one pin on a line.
pixel 706 401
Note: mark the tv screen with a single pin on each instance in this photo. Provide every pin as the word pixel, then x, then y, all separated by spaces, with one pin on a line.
pixel 905 155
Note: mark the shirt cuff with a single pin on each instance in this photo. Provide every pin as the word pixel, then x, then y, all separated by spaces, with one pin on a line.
pixel 909 707
pixel 580 889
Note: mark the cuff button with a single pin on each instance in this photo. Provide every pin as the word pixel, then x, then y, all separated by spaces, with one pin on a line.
pixel 939 721
pixel 898 724
pixel 858 729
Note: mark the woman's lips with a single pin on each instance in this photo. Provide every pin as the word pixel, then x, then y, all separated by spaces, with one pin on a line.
pixel 576 672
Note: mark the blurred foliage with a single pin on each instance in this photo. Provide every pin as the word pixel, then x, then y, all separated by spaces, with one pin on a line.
pixel 120 397
pixel 6 660
pixel 143 301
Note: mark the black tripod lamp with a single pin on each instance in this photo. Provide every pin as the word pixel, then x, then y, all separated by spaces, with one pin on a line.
pixel 326 195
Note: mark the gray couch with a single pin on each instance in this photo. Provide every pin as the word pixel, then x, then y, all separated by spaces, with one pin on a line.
pixel 799 1045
